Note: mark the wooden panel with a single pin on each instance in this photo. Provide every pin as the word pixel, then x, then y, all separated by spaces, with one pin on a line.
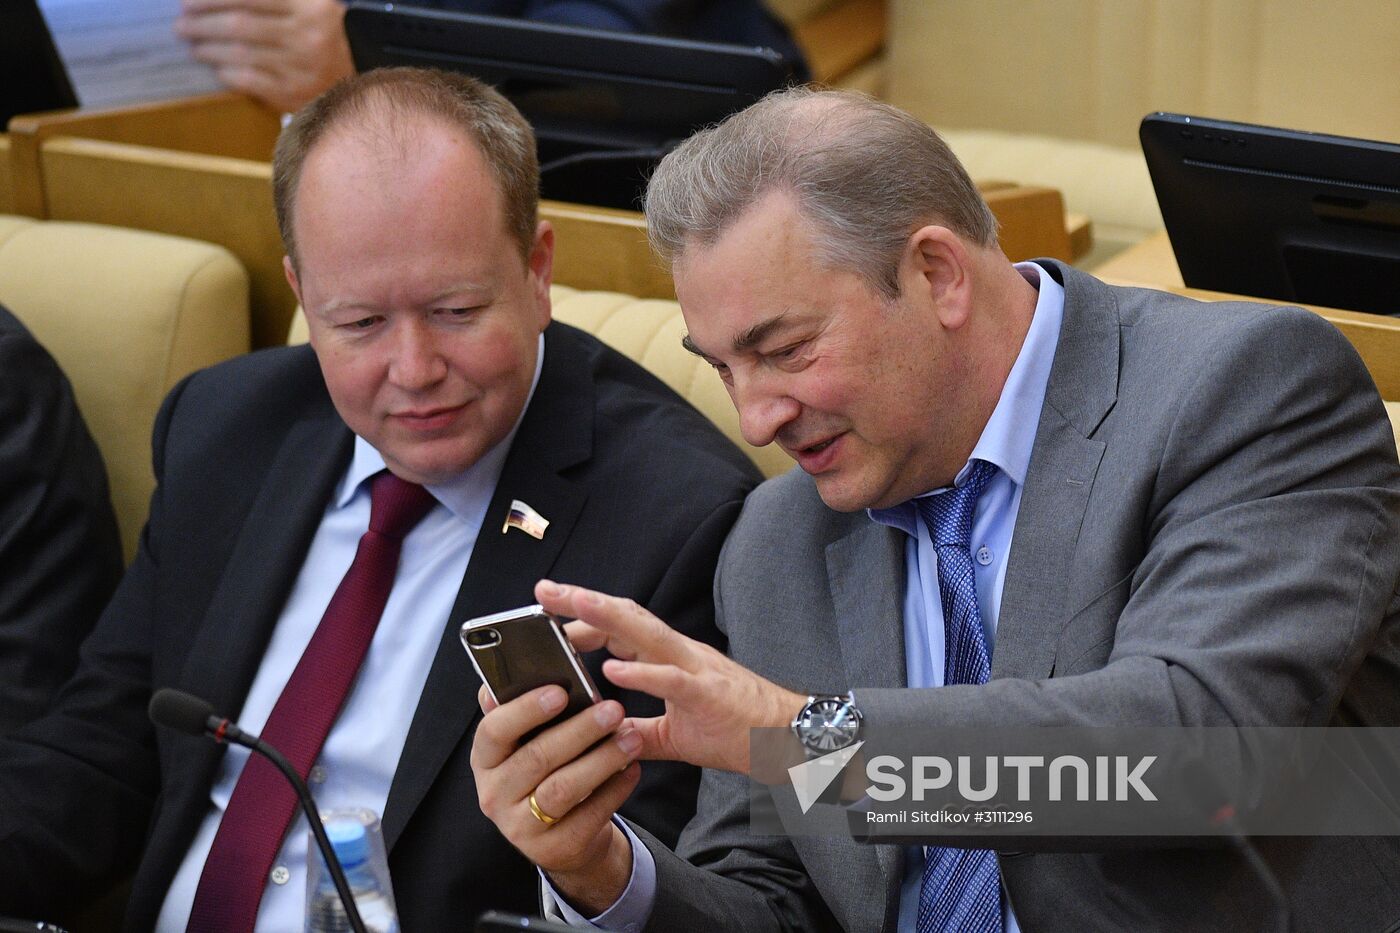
pixel 839 39
pixel 212 198
pixel 1377 338
pixel 197 184
pixel 1032 222
pixel 229 202
pixel 598 248
pixel 7 184
pixel 218 124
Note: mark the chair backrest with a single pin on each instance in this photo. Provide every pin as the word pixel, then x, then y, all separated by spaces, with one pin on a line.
pixel 650 332
pixel 126 314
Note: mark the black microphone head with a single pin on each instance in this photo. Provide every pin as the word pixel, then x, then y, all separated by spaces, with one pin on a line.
pixel 180 711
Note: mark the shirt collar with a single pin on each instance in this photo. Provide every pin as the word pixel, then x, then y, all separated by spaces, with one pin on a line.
pixel 1009 435
pixel 1007 439
pixel 465 494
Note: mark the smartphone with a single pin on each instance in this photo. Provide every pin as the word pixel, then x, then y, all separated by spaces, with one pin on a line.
pixel 521 649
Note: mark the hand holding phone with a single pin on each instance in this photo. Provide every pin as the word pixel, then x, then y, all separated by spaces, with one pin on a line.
pixel 553 798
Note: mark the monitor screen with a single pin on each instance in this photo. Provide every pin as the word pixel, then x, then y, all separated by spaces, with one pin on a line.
pixel 1279 214
pixel 605 105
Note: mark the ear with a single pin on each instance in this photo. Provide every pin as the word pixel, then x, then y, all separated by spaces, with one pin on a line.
pixel 937 268
pixel 290 271
pixel 542 270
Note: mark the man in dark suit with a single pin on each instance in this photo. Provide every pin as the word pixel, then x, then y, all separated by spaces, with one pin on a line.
pixel 407 201
pixel 285 52
pixel 1026 499
pixel 60 556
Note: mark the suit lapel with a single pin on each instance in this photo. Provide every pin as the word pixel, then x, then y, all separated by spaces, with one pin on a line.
pixel 865 572
pixel 1064 462
pixel 555 434
pixel 262 566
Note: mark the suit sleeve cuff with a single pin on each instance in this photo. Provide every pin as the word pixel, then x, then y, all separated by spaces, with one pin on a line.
pixel 631 910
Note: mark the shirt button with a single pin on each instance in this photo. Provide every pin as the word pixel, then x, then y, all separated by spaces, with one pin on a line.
pixel 984 555
pixel 317 775
pixel 280 875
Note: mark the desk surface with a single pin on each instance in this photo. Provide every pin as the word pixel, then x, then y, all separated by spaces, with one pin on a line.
pixel 1152 264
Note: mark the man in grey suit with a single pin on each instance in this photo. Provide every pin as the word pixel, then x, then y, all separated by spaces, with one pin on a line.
pixel 1041 499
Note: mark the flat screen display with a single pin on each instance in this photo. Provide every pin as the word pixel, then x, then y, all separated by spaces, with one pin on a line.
pixel 605 106
pixel 1279 214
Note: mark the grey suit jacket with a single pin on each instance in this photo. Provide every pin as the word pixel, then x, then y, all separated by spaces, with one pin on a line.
pixel 1209 534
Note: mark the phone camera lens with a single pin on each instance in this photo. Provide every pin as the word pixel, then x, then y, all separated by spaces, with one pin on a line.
pixel 484 638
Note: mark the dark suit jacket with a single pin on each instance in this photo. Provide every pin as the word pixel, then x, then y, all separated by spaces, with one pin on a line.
pixel 1209 534
pixel 60 556
pixel 738 22
pixel 640 491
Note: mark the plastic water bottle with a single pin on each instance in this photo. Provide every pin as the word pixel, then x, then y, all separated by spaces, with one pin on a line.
pixel 324 911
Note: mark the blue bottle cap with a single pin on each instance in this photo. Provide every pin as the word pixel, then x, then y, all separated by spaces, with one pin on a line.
pixel 349 840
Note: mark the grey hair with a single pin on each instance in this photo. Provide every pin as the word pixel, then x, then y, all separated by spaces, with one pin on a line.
pixel 866 174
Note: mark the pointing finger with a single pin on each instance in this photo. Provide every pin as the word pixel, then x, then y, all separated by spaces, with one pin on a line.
pixel 630 631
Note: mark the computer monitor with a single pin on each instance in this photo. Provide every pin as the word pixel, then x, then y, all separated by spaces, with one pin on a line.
pixel 605 106
pixel 1279 214
pixel 32 77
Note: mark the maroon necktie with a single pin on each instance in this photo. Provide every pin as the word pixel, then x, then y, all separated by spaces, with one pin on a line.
pixel 260 810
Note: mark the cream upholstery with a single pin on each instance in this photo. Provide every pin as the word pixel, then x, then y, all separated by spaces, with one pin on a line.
pixel 1109 184
pixel 126 313
pixel 648 331
pixel 1090 70
pixel 1052 93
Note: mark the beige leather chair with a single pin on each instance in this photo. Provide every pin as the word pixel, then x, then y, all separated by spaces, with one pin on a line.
pixel 126 314
pixel 650 332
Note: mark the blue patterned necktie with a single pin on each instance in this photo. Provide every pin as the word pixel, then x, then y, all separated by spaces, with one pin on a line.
pixel 961 889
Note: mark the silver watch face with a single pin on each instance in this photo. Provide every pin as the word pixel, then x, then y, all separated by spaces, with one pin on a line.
pixel 827 724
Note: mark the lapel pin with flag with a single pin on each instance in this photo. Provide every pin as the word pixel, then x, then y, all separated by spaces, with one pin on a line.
pixel 526 519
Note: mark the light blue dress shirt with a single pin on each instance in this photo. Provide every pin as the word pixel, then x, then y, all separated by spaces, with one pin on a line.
pixel 1006 441
pixel 361 753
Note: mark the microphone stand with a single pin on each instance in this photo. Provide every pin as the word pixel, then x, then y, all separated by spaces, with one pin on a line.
pixel 313 816
pixel 189 714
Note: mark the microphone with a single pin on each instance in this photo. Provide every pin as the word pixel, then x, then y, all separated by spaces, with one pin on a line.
pixel 186 713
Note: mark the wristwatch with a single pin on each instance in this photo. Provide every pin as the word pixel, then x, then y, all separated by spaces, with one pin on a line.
pixel 826 724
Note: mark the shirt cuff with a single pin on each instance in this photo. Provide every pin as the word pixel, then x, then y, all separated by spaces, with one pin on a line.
pixel 630 912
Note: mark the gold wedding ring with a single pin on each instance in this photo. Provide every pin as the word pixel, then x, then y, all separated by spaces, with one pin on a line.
pixel 540 815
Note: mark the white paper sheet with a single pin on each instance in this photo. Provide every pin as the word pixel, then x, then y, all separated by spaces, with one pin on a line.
pixel 124 51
